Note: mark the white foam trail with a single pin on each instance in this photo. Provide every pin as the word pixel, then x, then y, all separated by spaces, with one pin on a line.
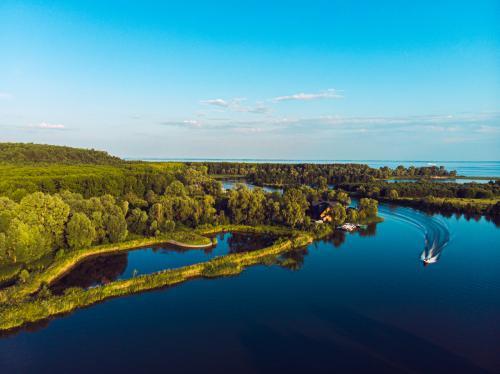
pixel 433 228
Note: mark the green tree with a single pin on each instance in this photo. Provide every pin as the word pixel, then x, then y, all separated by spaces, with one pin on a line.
pixel 238 205
pixel 80 232
pixel 352 215
pixel 26 242
pixel 393 194
pixel 4 255
pixel 338 214
pixel 137 221
pixel 294 207
pixel 368 208
pixel 343 198
pixel 176 188
pixel 116 227
pixel 48 213
pixel 7 212
pixel 208 209
pixel 322 183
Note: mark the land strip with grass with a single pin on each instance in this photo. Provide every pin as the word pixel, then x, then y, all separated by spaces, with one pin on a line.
pixel 69 260
pixel 31 309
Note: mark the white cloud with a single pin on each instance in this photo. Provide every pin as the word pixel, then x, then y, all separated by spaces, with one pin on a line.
pixel 218 102
pixel 328 94
pixel 48 126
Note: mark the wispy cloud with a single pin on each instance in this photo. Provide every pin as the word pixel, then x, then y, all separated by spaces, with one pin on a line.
pixel 220 102
pixel 237 105
pixel 483 129
pixel 328 94
pixel 47 126
pixel 189 123
pixel 248 130
pixel 5 95
pixel 450 128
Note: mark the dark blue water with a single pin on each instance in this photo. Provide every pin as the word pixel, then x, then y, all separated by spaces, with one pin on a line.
pixel 359 302
pixel 106 268
pixel 465 168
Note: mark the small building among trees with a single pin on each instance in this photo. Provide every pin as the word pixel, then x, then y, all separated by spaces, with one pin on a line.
pixel 321 211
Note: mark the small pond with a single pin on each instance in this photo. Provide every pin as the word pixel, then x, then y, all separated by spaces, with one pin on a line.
pixel 107 268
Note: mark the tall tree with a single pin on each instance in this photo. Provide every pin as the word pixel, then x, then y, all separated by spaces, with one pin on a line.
pixel 48 213
pixel 80 232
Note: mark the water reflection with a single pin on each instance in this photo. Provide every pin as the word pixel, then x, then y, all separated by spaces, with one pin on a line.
pixel 95 271
pixel 239 242
pixel 293 260
pixel 107 268
pixel 370 230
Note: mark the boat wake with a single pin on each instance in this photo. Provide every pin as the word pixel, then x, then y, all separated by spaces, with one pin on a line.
pixel 434 230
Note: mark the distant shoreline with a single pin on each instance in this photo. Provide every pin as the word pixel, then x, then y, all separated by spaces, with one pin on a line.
pixel 196 159
pixel 465 169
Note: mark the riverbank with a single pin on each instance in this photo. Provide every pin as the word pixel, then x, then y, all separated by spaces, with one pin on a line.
pixel 18 309
pixel 66 262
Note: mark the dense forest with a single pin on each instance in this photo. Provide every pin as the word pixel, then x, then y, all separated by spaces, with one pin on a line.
pixel 42 153
pixel 318 175
pixel 90 180
pixel 80 198
pixel 469 198
pixel 49 208
pixel 425 188
pixel 45 224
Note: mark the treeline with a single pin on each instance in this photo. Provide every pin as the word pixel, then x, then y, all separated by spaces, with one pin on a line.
pixel 424 188
pixel 193 205
pixel 92 180
pixel 446 206
pixel 43 153
pixel 318 175
pixel 44 224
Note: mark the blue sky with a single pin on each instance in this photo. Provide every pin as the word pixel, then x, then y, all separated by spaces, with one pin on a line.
pixel 251 79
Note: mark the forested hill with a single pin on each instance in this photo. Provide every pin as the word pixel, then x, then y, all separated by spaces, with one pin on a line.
pixel 25 153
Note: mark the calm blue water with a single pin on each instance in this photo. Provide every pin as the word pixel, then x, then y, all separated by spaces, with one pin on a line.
pixel 107 268
pixel 464 168
pixel 359 302
pixel 228 184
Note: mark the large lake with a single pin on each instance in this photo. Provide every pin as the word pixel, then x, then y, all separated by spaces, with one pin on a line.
pixel 359 302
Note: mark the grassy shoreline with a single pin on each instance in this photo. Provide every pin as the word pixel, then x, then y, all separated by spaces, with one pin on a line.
pixel 64 264
pixel 22 310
